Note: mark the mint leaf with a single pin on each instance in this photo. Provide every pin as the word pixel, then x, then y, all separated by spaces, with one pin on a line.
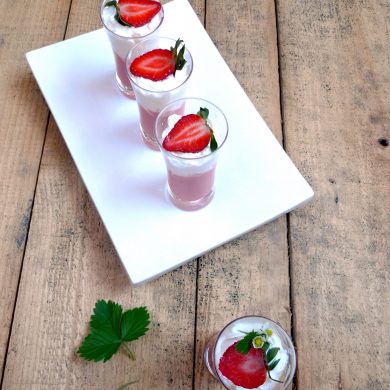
pixel 134 323
pixel 273 364
pixel 271 353
pixel 244 345
pixel 110 328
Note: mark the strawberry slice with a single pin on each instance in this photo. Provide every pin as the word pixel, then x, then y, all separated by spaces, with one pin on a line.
pixel 158 64
pixel 137 13
pixel 189 135
pixel 154 65
pixel 245 370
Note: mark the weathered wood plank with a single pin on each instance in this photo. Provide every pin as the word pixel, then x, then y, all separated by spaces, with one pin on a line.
pixel 335 65
pixel 69 264
pixel 249 275
pixel 23 121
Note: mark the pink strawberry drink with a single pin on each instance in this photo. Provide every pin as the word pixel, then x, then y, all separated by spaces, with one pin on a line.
pixel 123 37
pixel 251 352
pixel 188 150
pixel 154 87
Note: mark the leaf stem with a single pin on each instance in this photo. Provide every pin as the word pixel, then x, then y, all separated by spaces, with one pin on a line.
pixel 126 384
pixel 129 351
pixel 272 379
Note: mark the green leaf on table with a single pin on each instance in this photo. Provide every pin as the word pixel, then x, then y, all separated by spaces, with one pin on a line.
pixel 110 328
pixel 99 346
pixel 134 323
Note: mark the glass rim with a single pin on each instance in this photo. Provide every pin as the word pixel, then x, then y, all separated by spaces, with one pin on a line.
pixel 190 158
pixel 294 360
pixel 130 76
pixel 138 37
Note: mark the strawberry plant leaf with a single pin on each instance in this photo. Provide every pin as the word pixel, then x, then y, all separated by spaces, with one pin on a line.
pixel 271 353
pixel 107 316
pixel 107 324
pixel 134 323
pixel 273 364
pixel 99 346
pixel 244 345
pixel 265 346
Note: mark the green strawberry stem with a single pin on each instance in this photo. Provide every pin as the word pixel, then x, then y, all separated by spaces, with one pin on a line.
pixel 129 351
pixel 272 379
pixel 178 55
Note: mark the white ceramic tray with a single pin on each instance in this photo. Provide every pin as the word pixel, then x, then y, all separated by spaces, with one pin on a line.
pixel 256 181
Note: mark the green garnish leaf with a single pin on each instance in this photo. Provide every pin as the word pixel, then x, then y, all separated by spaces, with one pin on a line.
pixel 271 353
pixel 204 113
pixel 265 346
pixel 178 56
pixel 213 141
pixel 244 345
pixel 134 323
pixel 110 328
pixel 273 364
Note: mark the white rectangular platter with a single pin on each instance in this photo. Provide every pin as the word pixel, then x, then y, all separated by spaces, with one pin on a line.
pixel 255 180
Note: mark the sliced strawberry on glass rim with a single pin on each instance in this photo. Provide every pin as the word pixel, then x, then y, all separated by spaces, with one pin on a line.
pixel 135 13
pixel 158 64
pixel 246 370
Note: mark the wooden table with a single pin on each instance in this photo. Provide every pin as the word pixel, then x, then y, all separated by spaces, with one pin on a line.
pixel 319 73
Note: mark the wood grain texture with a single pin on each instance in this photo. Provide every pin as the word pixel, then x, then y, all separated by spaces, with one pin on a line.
pixel 23 121
pixel 69 264
pixel 335 61
pixel 249 275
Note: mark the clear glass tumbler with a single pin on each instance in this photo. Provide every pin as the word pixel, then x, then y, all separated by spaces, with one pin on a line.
pixel 234 331
pixel 123 38
pixel 191 175
pixel 153 96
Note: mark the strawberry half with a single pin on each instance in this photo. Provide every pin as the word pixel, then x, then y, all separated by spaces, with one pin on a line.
pixel 137 13
pixel 158 64
pixel 245 370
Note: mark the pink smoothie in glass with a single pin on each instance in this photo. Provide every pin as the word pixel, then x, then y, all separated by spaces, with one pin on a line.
pixel 121 71
pixel 147 120
pixel 191 188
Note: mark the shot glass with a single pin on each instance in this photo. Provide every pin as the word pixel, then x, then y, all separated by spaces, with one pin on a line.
pixel 282 374
pixel 153 96
pixel 190 184
pixel 122 39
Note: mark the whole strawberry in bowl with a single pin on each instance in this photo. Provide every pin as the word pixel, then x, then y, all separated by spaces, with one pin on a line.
pixel 159 70
pixel 251 352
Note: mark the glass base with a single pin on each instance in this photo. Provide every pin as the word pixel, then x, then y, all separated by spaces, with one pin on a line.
pixel 149 142
pixel 190 205
pixel 127 90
